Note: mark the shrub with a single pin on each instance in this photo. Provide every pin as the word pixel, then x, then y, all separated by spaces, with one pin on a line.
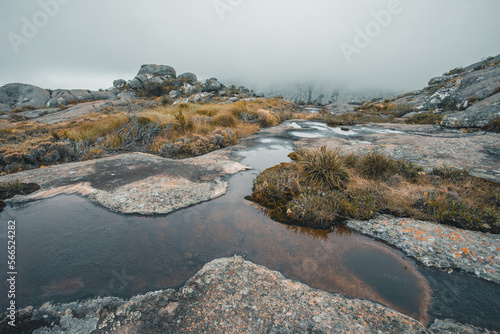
pixel 11 189
pixel 451 211
pixel 493 125
pixel 198 144
pixel 343 119
pixel 275 186
pixel 324 167
pixel 457 70
pixel 408 170
pixel 351 160
pixel 425 118
pixel 450 173
pixel 226 120
pixel 312 191
pixel 376 165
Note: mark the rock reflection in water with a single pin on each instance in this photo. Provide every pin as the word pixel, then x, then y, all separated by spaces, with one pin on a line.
pixel 71 249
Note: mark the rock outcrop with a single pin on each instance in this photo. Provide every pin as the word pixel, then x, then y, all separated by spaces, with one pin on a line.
pixel 467 97
pixel 18 96
pixel 190 77
pixel 151 80
pixel 223 298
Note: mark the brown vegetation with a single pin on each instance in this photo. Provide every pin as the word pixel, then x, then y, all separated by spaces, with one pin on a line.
pixel 321 188
pixel 148 126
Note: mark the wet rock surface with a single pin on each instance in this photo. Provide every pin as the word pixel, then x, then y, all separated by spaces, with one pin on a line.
pixel 223 297
pixel 134 183
pixel 436 245
pixel 428 146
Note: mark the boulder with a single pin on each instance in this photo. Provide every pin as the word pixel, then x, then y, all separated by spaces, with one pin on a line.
pixel 189 89
pixel 212 85
pixel 135 83
pixel 157 70
pixel 120 83
pixel 17 95
pixel 60 97
pixel 174 94
pixel 81 95
pixel 201 98
pixel 102 95
pixel 190 77
pixel 477 86
pixel 476 116
pixel 440 80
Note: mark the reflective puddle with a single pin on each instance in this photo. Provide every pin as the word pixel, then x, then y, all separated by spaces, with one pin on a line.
pixel 310 129
pixel 71 249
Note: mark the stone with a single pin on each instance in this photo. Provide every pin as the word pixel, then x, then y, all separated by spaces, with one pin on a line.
pixel 201 98
pixel 157 70
pixel 476 116
pixel 17 95
pixel 81 95
pixel 189 89
pixel 190 77
pixel 135 84
pixel 212 85
pixel 154 84
pixel 120 83
pixel 477 85
pixel 174 94
pixel 102 95
pixel 439 80
pixel 227 295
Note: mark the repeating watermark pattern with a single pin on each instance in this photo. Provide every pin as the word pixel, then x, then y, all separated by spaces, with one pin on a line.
pixel 222 7
pixel 117 283
pixel 11 272
pixel 372 29
pixel 30 27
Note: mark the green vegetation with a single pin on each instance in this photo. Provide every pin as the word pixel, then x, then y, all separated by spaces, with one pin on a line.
pixel 321 188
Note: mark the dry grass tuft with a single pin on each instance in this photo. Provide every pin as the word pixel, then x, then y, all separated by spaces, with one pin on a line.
pixel 321 188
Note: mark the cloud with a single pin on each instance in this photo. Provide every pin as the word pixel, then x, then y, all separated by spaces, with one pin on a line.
pixel 87 44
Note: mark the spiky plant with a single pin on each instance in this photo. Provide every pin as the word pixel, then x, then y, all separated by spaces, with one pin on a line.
pixel 376 165
pixel 324 167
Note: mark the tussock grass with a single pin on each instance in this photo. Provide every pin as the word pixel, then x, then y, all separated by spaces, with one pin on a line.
pixel 146 125
pixel 323 167
pixel 321 188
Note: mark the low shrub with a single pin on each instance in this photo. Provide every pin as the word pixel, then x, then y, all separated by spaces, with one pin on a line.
pixel 376 165
pixel 493 125
pixel 323 167
pixel 450 173
pixel 425 118
pixel 321 188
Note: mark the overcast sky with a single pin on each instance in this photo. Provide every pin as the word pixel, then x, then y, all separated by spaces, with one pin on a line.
pixel 385 44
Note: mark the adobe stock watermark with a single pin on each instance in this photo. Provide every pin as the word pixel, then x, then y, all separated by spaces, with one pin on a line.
pixel 224 6
pixel 117 284
pixel 30 27
pixel 372 29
